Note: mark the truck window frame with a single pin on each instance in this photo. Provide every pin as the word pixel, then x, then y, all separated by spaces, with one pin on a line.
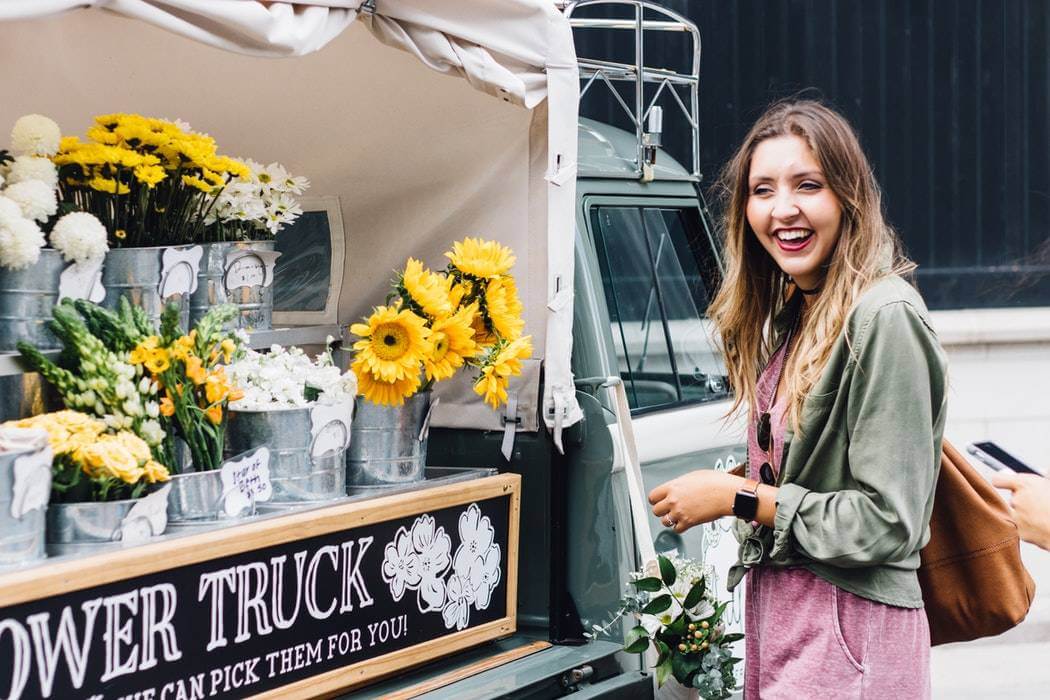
pixel 705 258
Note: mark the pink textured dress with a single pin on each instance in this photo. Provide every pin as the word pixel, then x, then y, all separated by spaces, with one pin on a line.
pixel 807 638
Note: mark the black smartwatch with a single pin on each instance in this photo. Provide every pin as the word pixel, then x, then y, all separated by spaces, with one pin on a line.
pixel 745 505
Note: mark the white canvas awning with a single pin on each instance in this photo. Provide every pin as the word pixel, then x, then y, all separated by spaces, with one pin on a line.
pixel 416 160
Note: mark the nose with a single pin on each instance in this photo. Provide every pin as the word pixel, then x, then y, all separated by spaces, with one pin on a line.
pixel 784 206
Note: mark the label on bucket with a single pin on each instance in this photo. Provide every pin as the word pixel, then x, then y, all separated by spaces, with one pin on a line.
pixel 32 483
pixel 82 281
pixel 179 270
pixel 146 518
pixel 249 268
pixel 246 481
pixel 330 427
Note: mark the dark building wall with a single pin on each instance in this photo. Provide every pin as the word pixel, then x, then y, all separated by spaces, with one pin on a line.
pixel 951 99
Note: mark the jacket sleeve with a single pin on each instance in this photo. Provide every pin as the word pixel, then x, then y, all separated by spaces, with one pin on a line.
pixel 894 428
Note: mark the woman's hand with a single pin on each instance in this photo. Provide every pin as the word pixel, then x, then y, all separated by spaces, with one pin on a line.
pixel 1030 504
pixel 695 498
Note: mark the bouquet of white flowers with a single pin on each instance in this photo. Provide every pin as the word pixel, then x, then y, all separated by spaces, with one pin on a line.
pixel 680 616
pixel 287 377
pixel 29 204
pixel 259 205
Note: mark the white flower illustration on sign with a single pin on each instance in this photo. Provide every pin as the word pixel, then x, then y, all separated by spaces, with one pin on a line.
pixel 419 559
pixel 434 548
pixel 460 598
pixel 401 564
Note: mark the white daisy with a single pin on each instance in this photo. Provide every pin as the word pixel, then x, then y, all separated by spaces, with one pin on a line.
pixel 9 210
pixel 26 168
pixel 35 134
pixel 36 199
pixel 80 237
pixel 20 244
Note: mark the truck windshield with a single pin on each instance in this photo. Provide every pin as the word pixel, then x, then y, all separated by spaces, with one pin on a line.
pixel 658 273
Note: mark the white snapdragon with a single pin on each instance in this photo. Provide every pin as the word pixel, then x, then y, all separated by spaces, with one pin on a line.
pixel 25 168
pixel 80 237
pixel 36 199
pixel 35 134
pixel 152 433
pixel 282 377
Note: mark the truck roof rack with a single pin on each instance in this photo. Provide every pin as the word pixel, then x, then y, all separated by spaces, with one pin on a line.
pixel 646 116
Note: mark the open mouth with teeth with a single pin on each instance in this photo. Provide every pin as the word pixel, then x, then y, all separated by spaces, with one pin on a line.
pixel 794 239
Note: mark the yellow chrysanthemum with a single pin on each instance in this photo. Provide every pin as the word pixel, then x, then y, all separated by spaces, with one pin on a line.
pixel 198 184
pixel 502 364
pixel 108 185
pixel 453 339
pixel 383 393
pixel 429 291
pixel 504 307
pixel 150 175
pixel 394 343
pixel 481 258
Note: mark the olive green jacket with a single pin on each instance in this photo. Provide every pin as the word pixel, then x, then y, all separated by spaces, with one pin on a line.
pixel 857 482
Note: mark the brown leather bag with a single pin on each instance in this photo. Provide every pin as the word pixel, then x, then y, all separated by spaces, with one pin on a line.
pixel 973 582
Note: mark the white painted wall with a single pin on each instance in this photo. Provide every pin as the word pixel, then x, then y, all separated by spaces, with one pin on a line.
pixel 999 376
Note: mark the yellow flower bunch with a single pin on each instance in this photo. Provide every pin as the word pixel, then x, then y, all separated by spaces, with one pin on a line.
pixel 193 385
pixel 118 464
pixel 148 178
pixel 442 321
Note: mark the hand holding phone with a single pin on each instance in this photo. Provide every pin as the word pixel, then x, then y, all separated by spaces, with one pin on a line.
pixel 999 459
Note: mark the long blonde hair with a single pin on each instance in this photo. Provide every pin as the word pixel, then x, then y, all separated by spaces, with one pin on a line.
pixel 754 290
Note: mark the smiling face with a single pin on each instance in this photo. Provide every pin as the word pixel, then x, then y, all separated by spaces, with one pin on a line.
pixel 791 209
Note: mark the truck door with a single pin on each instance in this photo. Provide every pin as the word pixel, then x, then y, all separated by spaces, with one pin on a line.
pixel 658 271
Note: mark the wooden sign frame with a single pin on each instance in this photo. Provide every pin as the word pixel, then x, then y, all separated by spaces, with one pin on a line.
pixel 62 577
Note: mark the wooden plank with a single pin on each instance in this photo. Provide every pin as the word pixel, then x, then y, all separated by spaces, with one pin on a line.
pixel 470 670
pixel 63 577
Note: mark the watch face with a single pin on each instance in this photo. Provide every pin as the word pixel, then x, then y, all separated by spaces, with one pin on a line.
pixel 745 505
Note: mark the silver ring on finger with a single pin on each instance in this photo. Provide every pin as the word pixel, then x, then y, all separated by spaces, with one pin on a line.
pixel 669 521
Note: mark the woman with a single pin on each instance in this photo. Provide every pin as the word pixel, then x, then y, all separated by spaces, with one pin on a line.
pixel 844 380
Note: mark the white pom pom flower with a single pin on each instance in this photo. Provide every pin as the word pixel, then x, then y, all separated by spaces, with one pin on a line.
pixel 36 199
pixel 20 244
pixel 35 134
pixel 25 168
pixel 80 237
pixel 9 211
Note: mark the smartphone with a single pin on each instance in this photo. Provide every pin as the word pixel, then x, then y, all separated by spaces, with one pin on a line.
pixel 997 458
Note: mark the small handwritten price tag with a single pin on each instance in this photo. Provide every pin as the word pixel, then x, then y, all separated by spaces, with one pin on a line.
pixel 180 267
pixel 246 481
pixel 82 281
pixel 249 268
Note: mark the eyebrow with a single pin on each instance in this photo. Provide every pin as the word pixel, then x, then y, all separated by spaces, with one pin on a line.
pixel 797 176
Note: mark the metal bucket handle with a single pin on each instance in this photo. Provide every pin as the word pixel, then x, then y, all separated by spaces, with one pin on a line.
pixel 424 432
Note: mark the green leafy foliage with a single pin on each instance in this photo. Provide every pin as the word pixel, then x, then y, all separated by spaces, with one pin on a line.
pixel 651 584
pixel 657 605
pixel 696 593
pixel 667 572
pixel 637 640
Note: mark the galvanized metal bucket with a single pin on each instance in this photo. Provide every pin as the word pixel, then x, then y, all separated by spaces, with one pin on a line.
pixel 196 496
pixel 25 483
pixel 26 299
pixel 389 443
pixel 238 273
pixel 152 277
pixel 77 527
pixel 307 448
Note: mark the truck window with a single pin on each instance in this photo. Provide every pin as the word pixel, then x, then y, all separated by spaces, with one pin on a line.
pixel 658 275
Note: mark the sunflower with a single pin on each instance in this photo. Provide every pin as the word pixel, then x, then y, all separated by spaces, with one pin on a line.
pixel 453 339
pixel 504 307
pixel 502 363
pixel 393 345
pixel 384 393
pixel 428 291
pixel 481 258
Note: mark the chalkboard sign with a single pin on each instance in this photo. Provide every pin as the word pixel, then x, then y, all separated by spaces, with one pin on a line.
pixel 259 620
pixel 304 268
